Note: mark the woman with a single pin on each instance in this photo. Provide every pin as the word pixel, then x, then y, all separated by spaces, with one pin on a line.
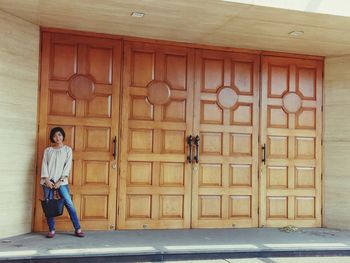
pixel 56 166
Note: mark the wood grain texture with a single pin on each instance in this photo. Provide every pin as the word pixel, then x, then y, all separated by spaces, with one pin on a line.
pixel 90 125
pixel 155 179
pixel 337 142
pixel 293 154
pixel 19 52
pixel 153 136
pixel 228 145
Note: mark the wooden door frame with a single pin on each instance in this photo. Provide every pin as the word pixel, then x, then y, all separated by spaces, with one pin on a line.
pixel 318 65
pixel 228 58
pixel 46 38
pixel 42 104
pixel 159 52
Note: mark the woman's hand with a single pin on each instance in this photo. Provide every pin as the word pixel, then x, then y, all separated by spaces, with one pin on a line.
pixel 48 183
pixel 58 184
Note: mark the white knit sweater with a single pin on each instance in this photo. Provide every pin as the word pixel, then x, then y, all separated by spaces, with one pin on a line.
pixel 56 164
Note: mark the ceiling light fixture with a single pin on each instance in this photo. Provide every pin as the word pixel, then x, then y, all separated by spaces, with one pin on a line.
pixel 296 33
pixel 137 14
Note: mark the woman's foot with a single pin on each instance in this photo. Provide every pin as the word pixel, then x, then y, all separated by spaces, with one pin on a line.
pixel 51 234
pixel 79 233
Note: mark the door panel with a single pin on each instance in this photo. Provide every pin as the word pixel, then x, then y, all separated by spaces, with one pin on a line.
pixel 155 182
pixel 169 93
pixel 226 112
pixel 291 123
pixel 89 123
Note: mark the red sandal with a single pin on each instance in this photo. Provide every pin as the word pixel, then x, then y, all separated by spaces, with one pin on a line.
pixel 79 234
pixel 51 234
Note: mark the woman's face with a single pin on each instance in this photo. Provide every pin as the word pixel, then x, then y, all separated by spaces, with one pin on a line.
pixel 58 137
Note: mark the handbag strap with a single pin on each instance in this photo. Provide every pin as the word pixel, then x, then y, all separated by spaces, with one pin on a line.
pixel 55 191
pixel 52 192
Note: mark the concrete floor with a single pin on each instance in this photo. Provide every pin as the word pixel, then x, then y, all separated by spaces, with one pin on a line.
pixel 272 260
pixel 179 244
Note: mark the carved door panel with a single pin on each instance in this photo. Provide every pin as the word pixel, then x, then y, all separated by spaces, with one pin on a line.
pixel 291 124
pixel 80 82
pixel 170 93
pixel 155 183
pixel 226 119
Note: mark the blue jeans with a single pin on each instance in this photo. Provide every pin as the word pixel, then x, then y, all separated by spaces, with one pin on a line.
pixel 68 203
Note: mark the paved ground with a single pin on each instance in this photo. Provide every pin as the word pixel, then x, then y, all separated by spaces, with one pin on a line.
pixel 180 242
pixel 273 260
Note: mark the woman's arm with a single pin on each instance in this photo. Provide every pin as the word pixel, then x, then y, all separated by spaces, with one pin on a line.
pixel 68 163
pixel 45 170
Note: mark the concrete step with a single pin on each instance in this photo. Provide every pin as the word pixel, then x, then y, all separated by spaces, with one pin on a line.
pixel 168 245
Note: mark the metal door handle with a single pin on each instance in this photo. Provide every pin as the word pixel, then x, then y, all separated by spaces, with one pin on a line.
pixel 264 153
pixel 196 143
pixel 115 147
pixel 189 143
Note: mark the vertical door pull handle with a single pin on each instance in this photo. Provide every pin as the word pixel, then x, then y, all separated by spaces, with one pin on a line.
pixel 189 143
pixel 196 143
pixel 264 153
pixel 115 147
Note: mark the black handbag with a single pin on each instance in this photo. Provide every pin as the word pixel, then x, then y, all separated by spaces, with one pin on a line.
pixel 54 206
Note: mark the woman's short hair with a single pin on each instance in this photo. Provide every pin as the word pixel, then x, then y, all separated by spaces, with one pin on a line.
pixel 53 132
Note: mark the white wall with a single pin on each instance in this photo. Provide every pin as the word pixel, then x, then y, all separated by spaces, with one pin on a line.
pixel 330 7
pixel 337 142
pixel 19 62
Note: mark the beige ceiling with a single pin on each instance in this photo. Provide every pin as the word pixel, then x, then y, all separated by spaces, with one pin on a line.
pixel 213 22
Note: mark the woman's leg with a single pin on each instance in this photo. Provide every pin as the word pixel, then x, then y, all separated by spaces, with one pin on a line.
pixel 48 194
pixel 64 192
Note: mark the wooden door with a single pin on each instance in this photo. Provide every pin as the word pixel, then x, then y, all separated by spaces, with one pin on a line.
pixel 291 123
pixel 226 119
pixel 79 91
pixel 155 182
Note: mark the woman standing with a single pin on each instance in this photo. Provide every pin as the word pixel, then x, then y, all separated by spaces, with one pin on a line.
pixel 56 166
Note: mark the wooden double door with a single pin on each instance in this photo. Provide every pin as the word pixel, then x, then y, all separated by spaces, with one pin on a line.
pixel 206 139
pixel 256 152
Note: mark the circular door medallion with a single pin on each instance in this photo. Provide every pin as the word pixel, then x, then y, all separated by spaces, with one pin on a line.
pixel 227 97
pixel 292 102
pixel 81 87
pixel 158 92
